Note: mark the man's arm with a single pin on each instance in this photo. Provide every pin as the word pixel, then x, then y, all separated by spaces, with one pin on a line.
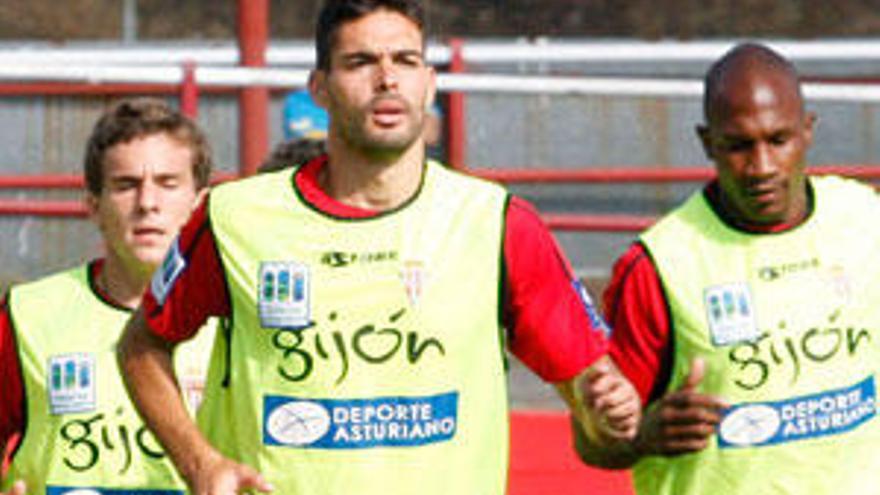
pixel 147 369
pixel 677 422
pixel 178 305
pixel 680 422
pixel 12 402
pixel 557 332
pixel 604 405
pixel 18 488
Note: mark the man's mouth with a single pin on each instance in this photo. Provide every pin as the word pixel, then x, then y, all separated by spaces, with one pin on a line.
pixel 388 113
pixel 148 232
pixel 764 193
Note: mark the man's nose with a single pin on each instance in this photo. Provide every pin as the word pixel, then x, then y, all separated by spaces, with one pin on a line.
pixel 762 161
pixel 387 74
pixel 148 196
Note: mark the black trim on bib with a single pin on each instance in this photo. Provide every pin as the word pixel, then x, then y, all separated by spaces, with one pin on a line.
pixel 226 323
pixel 711 197
pixel 100 295
pixel 503 332
pixel 378 215
pixel 667 363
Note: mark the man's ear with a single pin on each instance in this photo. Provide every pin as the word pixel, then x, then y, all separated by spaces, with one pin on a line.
pixel 92 204
pixel 705 136
pixel 432 88
pixel 318 87
pixel 810 122
pixel 200 196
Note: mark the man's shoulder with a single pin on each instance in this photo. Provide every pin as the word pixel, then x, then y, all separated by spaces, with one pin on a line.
pixel 251 182
pixel 459 177
pixel 842 197
pixel 240 195
pixel 459 190
pixel 49 295
pixel 692 211
pixel 842 186
pixel 74 276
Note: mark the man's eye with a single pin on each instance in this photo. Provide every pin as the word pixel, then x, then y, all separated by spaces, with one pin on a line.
pixel 354 63
pixel 410 61
pixel 170 183
pixel 779 139
pixel 737 145
pixel 123 185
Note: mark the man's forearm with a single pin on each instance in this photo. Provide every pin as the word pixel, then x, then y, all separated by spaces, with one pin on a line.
pixel 148 371
pixel 605 414
pixel 611 455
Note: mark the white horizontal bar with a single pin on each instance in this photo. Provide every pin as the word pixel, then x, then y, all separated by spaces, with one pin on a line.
pixel 550 51
pixel 168 74
pixel 470 83
pixel 539 50
pixel 118 55
pixel 484 83
pixel 221 54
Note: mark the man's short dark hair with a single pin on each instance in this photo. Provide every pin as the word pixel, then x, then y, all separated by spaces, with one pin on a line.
pixel 141 117
pixel 335 13
pixel 292 153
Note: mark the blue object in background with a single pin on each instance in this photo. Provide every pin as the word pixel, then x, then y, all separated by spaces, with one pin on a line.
pixel 303 118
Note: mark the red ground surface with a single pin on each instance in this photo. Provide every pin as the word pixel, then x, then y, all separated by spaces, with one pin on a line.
pixel 543 461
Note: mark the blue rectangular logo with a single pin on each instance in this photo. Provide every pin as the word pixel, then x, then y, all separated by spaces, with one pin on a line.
pixel 359 423
pixel 70 490
pixel 596 320
pixel 831 412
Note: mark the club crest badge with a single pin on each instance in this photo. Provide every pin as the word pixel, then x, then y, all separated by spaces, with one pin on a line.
pixel 414 276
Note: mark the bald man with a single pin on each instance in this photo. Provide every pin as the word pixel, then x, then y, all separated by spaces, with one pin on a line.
pixel 747 317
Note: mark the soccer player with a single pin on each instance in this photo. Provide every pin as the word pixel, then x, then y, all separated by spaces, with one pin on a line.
pixel 368 290
pixel 747 317
pixel 66 422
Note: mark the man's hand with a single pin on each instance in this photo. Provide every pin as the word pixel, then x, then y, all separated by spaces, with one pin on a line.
pixel 682 421
pixel 221 476
pixel 18 488
pixel 611 403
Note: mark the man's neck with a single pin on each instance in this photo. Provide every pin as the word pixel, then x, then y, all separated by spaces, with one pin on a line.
pixel 728 214
pixel 124 285
pixel 378 183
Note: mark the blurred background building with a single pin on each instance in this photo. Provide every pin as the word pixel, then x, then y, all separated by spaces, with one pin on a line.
pixel 640 19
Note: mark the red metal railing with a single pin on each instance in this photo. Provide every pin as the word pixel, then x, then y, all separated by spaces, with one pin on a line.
pixel 43 208
pixel 568 222
pixel 606 175
pixel 189 92
pixel 253 102
pixel 456 137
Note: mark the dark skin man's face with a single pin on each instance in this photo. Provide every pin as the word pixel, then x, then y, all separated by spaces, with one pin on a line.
pixel 758 135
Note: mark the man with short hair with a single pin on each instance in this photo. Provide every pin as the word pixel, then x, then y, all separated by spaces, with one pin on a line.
pixel 66 423
pixel 746 317
pixel 369 291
